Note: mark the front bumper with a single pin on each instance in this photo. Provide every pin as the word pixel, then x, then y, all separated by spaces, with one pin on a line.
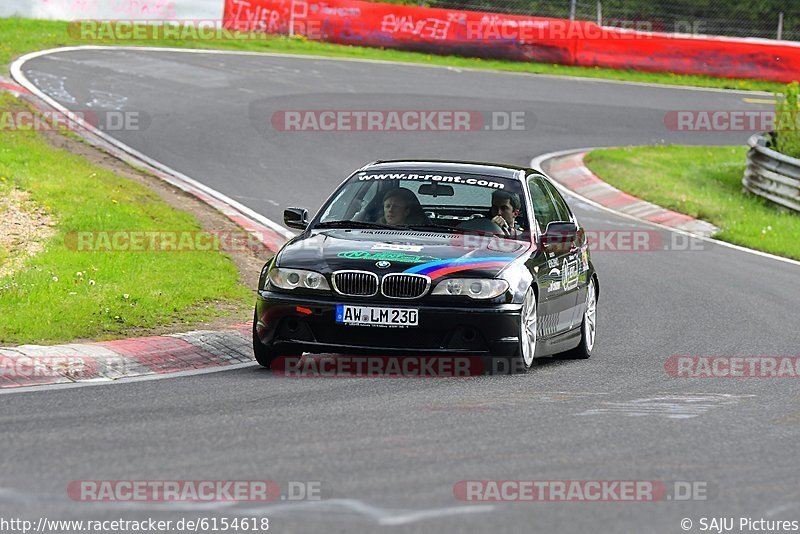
pixel 294 323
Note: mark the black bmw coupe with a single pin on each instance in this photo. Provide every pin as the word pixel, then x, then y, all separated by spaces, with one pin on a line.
pixel 432 257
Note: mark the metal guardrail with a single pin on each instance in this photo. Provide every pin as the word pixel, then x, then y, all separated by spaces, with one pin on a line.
pixel 771 174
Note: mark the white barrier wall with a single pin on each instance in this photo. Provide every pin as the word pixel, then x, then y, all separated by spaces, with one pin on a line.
pixel 113 9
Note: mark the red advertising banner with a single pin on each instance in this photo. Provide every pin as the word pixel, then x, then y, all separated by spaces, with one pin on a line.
pixel 493 35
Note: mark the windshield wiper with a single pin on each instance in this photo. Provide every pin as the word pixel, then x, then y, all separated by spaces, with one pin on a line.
pixel 437 228
pixel 357 224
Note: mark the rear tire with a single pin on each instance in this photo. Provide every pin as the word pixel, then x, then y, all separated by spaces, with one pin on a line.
pixel 588 327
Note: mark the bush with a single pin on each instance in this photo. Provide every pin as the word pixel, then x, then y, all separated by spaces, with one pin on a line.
pixel 787 112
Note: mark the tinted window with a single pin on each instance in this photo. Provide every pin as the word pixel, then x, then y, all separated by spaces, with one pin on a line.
pixel 543 208
pixel 444 199
pixel 562 211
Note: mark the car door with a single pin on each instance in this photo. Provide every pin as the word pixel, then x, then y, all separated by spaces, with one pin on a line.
pixel 556 276
pixel 576 281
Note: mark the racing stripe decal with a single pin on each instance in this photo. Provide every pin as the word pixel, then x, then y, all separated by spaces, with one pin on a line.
pixel 439 268
pixel 438 273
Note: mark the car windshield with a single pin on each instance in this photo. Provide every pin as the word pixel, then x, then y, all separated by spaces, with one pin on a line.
pixel 427 201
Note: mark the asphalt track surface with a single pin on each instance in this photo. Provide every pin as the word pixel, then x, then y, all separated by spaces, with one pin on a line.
pixel 388 451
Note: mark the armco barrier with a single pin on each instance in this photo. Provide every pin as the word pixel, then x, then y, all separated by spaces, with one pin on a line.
pixel 492 35
pixel 771 174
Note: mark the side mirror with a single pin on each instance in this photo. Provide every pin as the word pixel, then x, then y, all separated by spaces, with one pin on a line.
pixel 296 218
pixel 560 236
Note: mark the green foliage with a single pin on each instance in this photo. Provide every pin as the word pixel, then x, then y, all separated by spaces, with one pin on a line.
pixel 64 293
pixel 706 183
pixel 787 111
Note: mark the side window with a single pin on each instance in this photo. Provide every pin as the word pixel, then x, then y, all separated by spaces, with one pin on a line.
pixel 562 210
pixel 543 208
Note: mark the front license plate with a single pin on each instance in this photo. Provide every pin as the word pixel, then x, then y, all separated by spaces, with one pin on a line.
pixel 372 316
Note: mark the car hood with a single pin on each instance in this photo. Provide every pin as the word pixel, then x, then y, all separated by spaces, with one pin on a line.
pixel 391 251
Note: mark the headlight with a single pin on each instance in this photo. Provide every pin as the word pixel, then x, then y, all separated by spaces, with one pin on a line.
pixel 297 279
pixel 476 288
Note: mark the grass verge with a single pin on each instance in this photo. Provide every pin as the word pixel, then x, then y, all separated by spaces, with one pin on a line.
pixel 62 293
pixel 704 182
pixel 21 36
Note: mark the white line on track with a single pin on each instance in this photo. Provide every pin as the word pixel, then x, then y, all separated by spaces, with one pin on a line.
pixel 328 507
pixel 781 508
pixel 382 516
pixel 18 75
pixel 390 62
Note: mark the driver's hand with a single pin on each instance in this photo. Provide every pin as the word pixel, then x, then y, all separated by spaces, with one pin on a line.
pixel 502 223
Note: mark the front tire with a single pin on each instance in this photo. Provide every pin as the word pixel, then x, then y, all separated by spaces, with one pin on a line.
pixel 264 355
pixel 522 361
pixel 267 354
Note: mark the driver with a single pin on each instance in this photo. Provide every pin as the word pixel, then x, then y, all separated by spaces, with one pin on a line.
pixel 505 210
pixel 400 207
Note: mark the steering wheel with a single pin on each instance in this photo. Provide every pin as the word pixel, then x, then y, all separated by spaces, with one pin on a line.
pixel 481 224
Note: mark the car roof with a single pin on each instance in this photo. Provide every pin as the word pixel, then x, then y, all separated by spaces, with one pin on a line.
pixel 499 170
